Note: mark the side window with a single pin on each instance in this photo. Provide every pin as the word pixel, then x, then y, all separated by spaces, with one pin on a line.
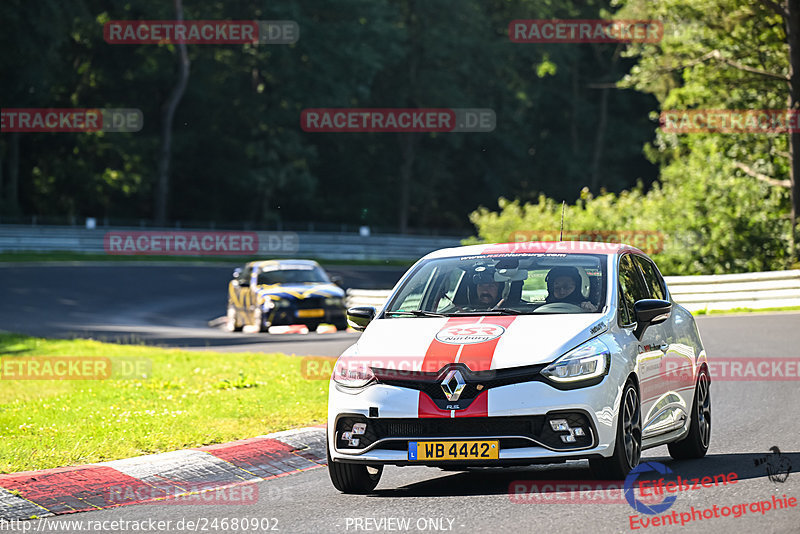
pixel 448 289
pixel 631 288
pixel 410 297
pixel 655 284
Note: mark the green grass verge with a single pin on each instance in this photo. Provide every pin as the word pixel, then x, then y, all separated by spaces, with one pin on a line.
pixel 746 310
pixel 16 257
pixel 187 399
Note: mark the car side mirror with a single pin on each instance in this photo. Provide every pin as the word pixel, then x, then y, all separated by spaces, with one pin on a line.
pixel 337 280
pixel 237 272
pixel 360 316
pixel 649 312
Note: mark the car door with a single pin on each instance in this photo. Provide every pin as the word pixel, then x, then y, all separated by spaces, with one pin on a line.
pixel 632 288
pixel 668 412
pixel 678 362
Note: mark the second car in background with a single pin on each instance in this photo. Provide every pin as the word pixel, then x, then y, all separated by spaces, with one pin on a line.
pixel 284 292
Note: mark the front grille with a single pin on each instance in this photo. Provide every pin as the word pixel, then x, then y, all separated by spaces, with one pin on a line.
pixel 465 427
pixel 459 426
pixel 399 431
pixel 505 443
pixel 310 302
pixel 477 382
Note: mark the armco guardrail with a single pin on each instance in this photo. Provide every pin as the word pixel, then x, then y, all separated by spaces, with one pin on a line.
pixel 367 297
pixel 704 292
pixel 346 246
pixel 770 289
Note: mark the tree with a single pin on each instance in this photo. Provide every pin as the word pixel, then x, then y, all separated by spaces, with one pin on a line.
pixel 162 188
pixel 33 37
pixel 727 54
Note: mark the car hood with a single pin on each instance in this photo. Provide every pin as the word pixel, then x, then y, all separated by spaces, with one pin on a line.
pixel 299 291
pixel 481 343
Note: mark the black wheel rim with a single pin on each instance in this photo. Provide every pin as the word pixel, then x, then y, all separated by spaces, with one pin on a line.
pixel 632 427
pixel 704 409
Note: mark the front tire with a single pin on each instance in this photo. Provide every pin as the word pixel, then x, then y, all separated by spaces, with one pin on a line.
pixel 695 444
pixel 353 478
pixel 628 442
pixel 258 320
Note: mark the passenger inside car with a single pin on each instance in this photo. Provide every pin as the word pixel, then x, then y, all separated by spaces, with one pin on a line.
pixel 563 285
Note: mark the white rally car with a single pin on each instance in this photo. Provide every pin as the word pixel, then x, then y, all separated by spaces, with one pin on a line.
pixel 519 353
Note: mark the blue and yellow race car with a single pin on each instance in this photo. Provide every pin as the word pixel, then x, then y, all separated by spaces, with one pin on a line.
pixel 284 292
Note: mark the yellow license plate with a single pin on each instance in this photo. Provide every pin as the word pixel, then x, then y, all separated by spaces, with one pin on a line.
pixel 453 450
pixel 310 313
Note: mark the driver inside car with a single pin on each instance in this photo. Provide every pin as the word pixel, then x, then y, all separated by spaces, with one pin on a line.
pixel 488 294
pixel 563 286
pixel 484 292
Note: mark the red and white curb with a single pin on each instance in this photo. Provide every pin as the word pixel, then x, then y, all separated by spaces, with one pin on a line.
pixel 163 478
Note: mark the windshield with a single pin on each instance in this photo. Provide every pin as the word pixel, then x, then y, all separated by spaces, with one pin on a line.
pixel 293 274
pixel 503 284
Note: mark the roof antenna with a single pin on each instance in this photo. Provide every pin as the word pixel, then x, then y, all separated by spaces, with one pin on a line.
pixel 563 206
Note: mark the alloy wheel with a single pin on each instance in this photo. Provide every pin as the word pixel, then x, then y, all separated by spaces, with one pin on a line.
pixel 704 409
pixel 632 427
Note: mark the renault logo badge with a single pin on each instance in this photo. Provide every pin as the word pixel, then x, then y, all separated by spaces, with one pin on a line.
pixel 453 384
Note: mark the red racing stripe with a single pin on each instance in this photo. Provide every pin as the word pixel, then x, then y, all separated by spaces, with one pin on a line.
pixel 478 356
pixel 440 354
pixel 478 408
pixel 427 408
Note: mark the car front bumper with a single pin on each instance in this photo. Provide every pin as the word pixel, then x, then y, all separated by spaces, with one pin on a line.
pixel 512 415
pixel 290 315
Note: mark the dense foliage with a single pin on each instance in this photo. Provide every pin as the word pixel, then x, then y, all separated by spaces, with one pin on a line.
pixel 722 202
pixel 239 153
pixel 575 122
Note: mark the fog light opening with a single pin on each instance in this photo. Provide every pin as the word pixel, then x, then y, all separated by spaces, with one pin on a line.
pixel 559 425
pixel 358 429
pixel 571 433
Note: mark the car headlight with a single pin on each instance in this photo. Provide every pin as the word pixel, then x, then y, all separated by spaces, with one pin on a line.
pixel 283 303
pixel 352 373
pixel 589 360
pixel 334 301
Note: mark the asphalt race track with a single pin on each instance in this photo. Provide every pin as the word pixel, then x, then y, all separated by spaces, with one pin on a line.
pixel 167 305
pixel 163 304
